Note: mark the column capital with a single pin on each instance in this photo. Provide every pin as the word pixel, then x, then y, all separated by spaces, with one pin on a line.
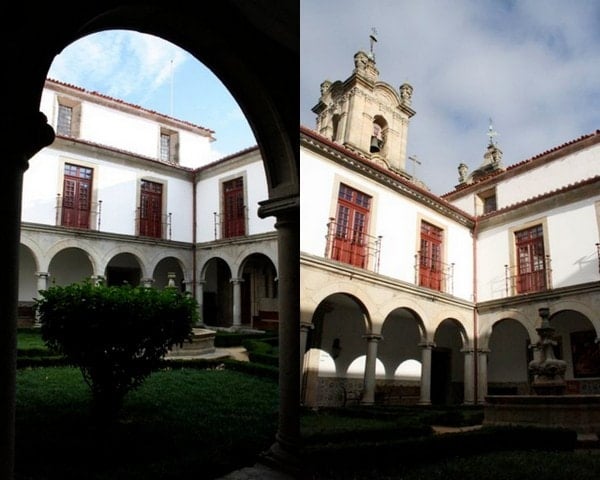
pixel 42 274
pixel 373 337
pixel 306 326
pixel 469 350
pixel 483 351
pixel 283 206
pixel 236 280
pixel 427 344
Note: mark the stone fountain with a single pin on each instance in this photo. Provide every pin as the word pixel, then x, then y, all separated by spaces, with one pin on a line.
pixel 548 371
pixel 548 405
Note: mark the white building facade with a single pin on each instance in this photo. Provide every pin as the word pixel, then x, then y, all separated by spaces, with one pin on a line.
pixel 129 195
pixel 409 297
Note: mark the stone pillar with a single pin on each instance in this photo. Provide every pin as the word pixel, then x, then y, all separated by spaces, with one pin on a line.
pixel 285 452
pixel 147 282
pixel 368 397
pixel 469 381
pixel 237 301
pixel 425 392
pixel 42 280
pixel 97 280
pixel 171 279
pixel 200 299
pixel 28 133
pixel 482 380
pixel 42 284
pixel 305 360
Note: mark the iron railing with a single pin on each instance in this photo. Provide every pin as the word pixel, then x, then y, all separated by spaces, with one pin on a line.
pixel 159 226
pixel 230 228
pixel 352 246
pixel 433 273
pixel 539 279
pixel 79 217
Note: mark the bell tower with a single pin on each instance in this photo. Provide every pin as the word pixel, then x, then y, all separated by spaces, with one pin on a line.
pixel 366 115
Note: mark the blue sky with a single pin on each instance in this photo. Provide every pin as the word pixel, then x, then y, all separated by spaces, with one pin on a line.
pixel 532 66
pixel 150 72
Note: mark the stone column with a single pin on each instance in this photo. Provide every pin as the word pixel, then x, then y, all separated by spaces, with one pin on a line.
pixel 368 397
pixel 171 279
pixel 42 284
pixel 42 280
pixel 200 299
pixel 237 301
pixel 425 391
pixel 469 387
pixel 97 280
pixel 28 132
pixel 305 360
pixel 482 380
pixel 286 449
pixel 147 282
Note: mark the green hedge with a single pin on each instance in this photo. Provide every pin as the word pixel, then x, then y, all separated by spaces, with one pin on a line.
pixel 349 455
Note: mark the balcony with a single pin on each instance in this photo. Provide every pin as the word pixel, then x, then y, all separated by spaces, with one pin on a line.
pixel 434 274
pixel 228 226
pixel 352 246
pixel 536 278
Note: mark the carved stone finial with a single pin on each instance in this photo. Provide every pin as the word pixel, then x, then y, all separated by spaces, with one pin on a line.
pixel 325 86
pixel 463 170
pixel 406 92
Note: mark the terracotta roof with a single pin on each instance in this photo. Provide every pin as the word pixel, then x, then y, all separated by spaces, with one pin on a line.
pixel 131 105
pixel 542 196
pixel 395 176
pixel 515 167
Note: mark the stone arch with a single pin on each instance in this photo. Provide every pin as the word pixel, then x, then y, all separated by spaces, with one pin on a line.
pixel 259 292
pixel 576 306
pixel 402 332
pixel 509 352
pixel 69 243
pixel 167 266
pixel 487 327
pixel 35 250
pixel 447 365
pixel 124 267
pixel 138 254
pixel 68 265
pixel 28 267
pixel 217 293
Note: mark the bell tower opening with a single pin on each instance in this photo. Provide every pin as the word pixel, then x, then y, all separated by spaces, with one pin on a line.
pixel 366 115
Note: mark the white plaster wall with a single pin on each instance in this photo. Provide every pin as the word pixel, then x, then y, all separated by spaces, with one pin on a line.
pixel 115 184
pixel 208 198
pixel 40 188
pixel 316 195
pixel 393 216
pixel 551 176
pixel 572 232
pixel 545 178
pixel 194 150
pixel 124 131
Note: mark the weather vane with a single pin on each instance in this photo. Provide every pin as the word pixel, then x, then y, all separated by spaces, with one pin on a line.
pixel 373 39
pixel 491 133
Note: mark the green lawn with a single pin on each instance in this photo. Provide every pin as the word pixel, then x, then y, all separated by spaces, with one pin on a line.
pixel 180 424
pixel 202 423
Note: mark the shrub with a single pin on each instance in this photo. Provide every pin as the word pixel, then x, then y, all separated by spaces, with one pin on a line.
pixel 116 336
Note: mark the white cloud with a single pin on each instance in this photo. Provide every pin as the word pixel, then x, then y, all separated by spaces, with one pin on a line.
pixel 532 66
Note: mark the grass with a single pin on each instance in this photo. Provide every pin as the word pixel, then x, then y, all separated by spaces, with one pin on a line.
pixel 202 423
pixel 181 423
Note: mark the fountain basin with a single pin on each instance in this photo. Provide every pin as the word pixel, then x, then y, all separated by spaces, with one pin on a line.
pixel 580 413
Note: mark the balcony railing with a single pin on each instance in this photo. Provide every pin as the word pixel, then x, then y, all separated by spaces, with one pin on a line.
pixel 352 246
pixel 80 217
pixel 434 274
pixel 229 228
pixel 160 227
pixel 537 280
